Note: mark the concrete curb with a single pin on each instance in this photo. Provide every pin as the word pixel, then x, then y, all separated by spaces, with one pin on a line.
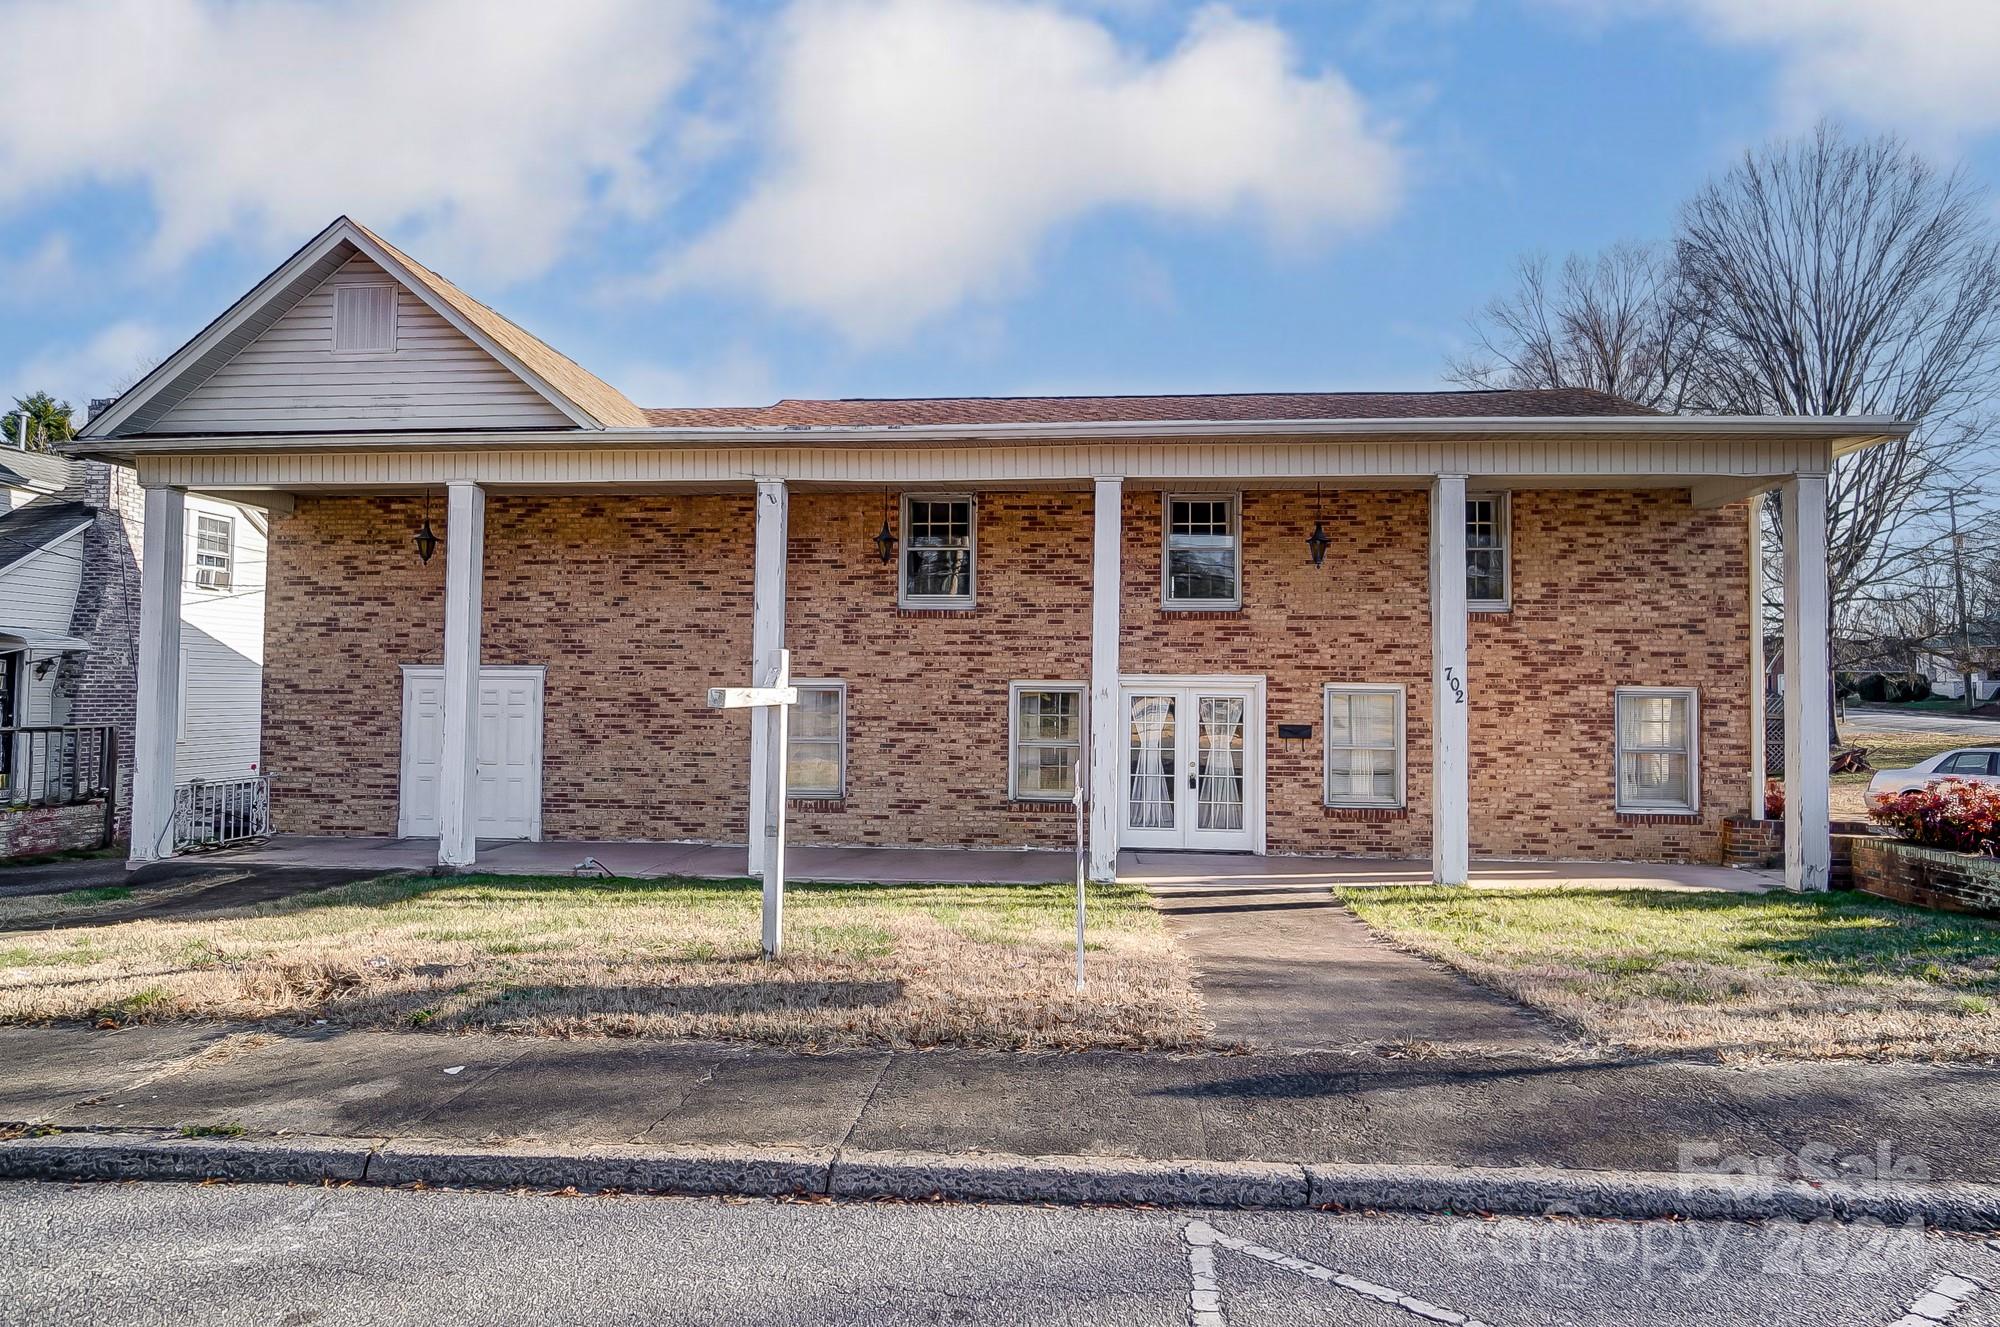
pixel 1521 1191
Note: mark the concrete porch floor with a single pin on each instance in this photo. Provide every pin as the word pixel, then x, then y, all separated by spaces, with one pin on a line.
pixel 1162 872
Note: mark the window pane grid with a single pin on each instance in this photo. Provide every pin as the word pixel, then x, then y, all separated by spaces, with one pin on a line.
pixel 1048 741
pixel 1486 550
pixel 212 538
pixel 1656 764
pixel 1201 551
pixel 1364 748
pixel 937 549
pixel 816 741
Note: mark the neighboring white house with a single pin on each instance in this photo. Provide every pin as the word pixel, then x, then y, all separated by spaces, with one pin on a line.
pixel 70 552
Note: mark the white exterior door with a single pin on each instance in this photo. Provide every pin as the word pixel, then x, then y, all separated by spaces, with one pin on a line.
pixel 507 782
pixel 1194 768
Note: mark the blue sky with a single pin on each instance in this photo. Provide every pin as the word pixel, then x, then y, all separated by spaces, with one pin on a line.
pixel 728 203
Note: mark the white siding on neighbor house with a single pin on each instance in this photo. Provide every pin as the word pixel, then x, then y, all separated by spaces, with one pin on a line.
pixel 289 379
pixel 40 592
pixel 222 653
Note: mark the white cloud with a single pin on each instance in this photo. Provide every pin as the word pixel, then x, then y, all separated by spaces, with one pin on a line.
pixel 110 361
pixel 923 150
pixel 47 268
pixel 486 131
pixel 1924 66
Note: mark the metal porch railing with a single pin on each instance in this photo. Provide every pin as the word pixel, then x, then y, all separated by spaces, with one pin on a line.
pixel 212 815
pixel 57 764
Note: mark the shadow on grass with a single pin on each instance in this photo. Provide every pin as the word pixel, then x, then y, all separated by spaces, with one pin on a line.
pixel 528 1004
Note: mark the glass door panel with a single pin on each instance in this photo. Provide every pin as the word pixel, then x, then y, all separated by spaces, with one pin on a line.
pixel 1219 764
pixel 1150 785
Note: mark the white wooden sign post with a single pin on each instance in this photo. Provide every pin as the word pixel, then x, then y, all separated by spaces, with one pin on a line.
pixel 775 697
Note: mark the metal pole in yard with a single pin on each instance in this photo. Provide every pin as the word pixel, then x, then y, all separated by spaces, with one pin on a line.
pixel 1082 865
pixel 1958 588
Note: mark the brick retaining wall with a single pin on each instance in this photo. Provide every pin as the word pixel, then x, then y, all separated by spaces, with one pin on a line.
pixel 32 831
pixel 1927 877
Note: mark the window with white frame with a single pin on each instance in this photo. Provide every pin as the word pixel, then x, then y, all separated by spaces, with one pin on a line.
pixel 817 739
pixel 938 550
pixel 1364 745
pixel 1486 551
pixel 364 320
pixel 1202 564
pixel 1046 740
pixel 1658 765
pixel 214 551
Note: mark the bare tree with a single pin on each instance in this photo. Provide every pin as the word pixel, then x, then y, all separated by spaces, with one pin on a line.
pixel 1817 276
pixel 1840 278
pixel 1618 322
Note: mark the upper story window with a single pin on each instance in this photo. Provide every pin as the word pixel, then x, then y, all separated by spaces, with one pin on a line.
pixel 816 744
pixel 1658 769
pixel 938 551
pixel 1204 552
pixel 1047 741
pixel 214 551
pixel 364 320
pixel 1486 585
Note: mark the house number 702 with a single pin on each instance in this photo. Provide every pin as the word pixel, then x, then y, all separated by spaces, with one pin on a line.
pixel 1457 687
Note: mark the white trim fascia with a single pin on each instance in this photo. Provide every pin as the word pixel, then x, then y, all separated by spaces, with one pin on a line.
pixel 342 231
pixel 47 546
pixel 1845 432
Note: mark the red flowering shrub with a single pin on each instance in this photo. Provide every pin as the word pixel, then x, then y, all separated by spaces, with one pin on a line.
pixel 1949 813
pixel 1774 799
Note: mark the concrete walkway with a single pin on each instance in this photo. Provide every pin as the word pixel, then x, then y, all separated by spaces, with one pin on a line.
pixel 1933 1121
pixel 1283 967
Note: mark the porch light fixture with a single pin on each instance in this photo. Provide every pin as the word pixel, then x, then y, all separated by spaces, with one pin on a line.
pixel 1316 542
pixel 885 539
pixel 426 540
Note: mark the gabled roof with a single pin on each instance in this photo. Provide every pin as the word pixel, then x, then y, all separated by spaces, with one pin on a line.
pixel 588 401
pixel 25 469
pixel 26 531
pixel 886 413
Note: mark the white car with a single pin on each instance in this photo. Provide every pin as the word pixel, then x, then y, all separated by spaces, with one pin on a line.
pixel 1976 764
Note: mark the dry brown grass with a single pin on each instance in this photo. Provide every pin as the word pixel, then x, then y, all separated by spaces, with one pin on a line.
pixel 1819 976
pixel 901 965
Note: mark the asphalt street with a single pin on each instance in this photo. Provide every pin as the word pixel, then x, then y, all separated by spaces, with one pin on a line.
pixel 274 1255
pixel 1932 723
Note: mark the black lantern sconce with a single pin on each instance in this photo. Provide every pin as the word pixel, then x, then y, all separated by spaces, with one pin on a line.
pixel 1316 542
pixel 426 539
pixel 885 540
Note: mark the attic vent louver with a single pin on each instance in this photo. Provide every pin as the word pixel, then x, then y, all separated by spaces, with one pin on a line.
pixel 364 320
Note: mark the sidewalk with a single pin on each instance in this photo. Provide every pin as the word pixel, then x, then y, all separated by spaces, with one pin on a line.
pixel 380 1099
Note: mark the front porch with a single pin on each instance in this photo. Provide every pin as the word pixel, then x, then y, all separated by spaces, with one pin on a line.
pixel 1165 874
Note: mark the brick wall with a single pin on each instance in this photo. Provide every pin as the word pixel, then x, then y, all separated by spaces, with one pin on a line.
pixel 101 686
pixel 635 605
pixel 32 831
pixel 1926 877
pixel 1611 588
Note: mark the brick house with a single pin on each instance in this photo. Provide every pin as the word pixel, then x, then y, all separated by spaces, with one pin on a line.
pixel 1416 625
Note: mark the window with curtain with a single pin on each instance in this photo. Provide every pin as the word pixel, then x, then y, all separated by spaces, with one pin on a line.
pixel 214 551
pixel 1203 553
pixel 1486 551
pixel 1364 746
pixel 1047 741
pixel 1657 768
pixel 817 738
pixel 938 550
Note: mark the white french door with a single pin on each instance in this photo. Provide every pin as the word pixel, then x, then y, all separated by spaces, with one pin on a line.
pixel 1194 766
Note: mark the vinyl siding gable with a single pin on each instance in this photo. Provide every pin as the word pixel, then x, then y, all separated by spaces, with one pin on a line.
pixel 290 380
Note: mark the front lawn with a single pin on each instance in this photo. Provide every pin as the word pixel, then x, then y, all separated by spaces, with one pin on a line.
pixel 1822 975
pixel 896 965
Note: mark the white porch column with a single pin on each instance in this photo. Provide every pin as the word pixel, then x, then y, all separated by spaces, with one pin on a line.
pixel 767 639
pixel 1759 761
pixel 464 567
pixel 1451 853
pixel 1107 753
pixel 157 716
pixel 1808 850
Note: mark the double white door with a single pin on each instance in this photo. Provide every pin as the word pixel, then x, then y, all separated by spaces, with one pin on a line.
pixel 507 782
pixel 1194 773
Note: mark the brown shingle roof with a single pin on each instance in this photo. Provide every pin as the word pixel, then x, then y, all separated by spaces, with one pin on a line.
pixel 597 398
pixel 865 413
